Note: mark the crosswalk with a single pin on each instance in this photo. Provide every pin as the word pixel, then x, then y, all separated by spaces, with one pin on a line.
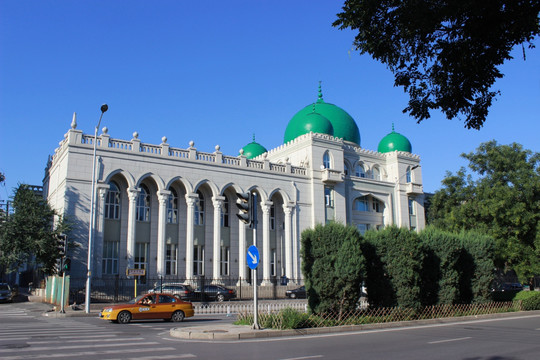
pixel 44 338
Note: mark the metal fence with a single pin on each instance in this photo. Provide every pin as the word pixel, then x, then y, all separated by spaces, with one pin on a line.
pixel 120 289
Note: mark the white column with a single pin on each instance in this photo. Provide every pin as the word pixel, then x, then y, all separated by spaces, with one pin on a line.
pixel 191 199
pixel 242 249
pixel 217 201
pixel 132 211
pixel 266 243
pixel 163 198
pixel 287 210
pixel 99 232
pixel 295 236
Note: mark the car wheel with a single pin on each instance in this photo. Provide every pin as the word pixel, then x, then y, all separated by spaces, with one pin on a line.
pixel 178 316
pixel 124 317
pixel 220 297
pixel 293 296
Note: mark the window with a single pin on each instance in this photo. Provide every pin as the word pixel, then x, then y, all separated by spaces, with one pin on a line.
pixel 112 202
pixel 110 257
pixel 408 175
pixel 225 213
pixel 141 260
pixel 361 204
pixel 378 206
pixel 328 196
pixel 143 204
pixel 411 206
pixel 326 160
pixel 198 260
pixel 224 260
pixel 376 173
pixel 362 228
pixel 199 209
pixel 273 258
pixel 172 208
pixel 272 217
pixel 359 171
pixel 171 256
pixel 346 169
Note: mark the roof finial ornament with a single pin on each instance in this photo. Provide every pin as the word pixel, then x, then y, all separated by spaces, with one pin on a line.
pixel 74 121
pixel 253 137
pixel 393 127
pixel 320 98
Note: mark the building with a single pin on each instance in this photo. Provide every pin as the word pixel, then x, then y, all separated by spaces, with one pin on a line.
pixel 172 211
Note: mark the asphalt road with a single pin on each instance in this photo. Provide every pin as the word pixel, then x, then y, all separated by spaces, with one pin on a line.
pixel 26 334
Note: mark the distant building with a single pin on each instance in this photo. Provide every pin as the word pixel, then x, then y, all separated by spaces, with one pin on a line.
pixel 172 211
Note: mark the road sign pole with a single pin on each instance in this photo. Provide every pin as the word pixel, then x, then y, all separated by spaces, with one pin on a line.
pixel 255 297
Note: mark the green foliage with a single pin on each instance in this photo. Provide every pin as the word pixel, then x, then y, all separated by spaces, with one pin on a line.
pixel 394 259
pixel 445 54
pixel 27 235
pixel 333 265
pixel 501 198
pixel 440 270
pixel 531 302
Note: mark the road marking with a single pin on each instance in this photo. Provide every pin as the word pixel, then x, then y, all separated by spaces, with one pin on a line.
pixel 449 340
pixel 99 346
pixel 305 357
pixel 181 356
pixel 93 352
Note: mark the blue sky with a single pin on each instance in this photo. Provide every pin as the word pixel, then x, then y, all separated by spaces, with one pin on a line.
pixel 216 72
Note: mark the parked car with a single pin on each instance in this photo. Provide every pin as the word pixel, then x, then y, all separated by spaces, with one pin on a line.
pixel 298 293
pixel 6 295
pixel 508 287
pixel 215 292
pixel 149 306
pixel 184 291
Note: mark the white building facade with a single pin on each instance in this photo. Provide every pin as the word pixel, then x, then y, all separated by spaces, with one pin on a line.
pixel 172 211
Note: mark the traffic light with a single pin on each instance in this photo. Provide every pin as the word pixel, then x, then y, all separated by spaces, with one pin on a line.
pixel 66 264
pixel 61 244
pixel 244 205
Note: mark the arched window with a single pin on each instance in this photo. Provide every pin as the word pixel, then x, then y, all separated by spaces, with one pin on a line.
pixel 112 202
pixel 326 160
pixel 359 171
pixel 143 204
pixel 376 173
pixel 408 175
pixel 199 209
pixel 346 169
pixel 172 208
pixel 361 204
pixel 225 213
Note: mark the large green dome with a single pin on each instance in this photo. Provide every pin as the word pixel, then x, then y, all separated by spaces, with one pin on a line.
pixel 342 124
pixel 394 142
pixel 253 149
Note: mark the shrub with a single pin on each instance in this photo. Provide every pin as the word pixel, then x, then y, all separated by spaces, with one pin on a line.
pixel 530 301
pixel 292 319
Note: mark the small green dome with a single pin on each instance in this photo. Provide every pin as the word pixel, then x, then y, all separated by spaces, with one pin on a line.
pixel 303 122
pixel 253 149
pixel 394 142
pixel 311 122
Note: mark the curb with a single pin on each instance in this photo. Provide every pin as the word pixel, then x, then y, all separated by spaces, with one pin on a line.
pixel 243 332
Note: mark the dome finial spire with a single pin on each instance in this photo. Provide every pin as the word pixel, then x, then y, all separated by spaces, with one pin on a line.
pixel 253 137
pixel 393 127
pixel 319 97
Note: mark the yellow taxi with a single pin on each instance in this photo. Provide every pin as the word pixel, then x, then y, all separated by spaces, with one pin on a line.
pixel 149 306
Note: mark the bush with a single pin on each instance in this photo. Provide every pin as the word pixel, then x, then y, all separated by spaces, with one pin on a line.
pixel 530 301
pixel 292 319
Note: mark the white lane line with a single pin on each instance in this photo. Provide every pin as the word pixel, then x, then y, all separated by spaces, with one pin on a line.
pixel 90 353
pixel 70 347
pixel 305 357
pixel 81 341
pixel 177 356
pixel 449 340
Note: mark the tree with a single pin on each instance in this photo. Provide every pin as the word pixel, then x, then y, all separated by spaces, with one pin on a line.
pixel 500 197
pixel 445 54
pixel 27 234
pixel 333 267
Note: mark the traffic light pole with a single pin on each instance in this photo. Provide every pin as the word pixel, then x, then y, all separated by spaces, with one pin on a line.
pixel 63 296
pixel 255 299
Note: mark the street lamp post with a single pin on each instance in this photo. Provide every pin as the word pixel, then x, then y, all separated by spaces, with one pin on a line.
pixel 92 221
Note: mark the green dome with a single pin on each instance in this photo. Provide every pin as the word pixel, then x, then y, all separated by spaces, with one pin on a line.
pixel 253 149
pixel 311 122
pixel 303 122
pixel 394 142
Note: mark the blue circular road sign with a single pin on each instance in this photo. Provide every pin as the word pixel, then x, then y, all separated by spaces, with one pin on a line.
pixel 252 257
